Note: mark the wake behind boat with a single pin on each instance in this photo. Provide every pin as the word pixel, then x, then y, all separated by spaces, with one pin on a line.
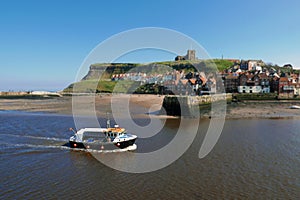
pixel 105 139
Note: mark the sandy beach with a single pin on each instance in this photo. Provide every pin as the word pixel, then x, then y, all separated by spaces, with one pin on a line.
pixel 263 109
pixel 142 105
pixel 138 105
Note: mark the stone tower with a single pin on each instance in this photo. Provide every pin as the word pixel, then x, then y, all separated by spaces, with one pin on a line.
pixel 191 55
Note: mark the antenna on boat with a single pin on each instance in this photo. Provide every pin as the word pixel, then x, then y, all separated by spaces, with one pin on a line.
pixel 71 129
pixel 107 120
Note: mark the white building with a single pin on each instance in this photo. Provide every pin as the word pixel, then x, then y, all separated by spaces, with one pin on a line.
pixel 257 68
pixel 249 89
pixel 297 90
pixel 265 89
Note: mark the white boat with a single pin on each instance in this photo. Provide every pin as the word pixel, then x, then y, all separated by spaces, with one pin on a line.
pixel 103 139
pixel 295 107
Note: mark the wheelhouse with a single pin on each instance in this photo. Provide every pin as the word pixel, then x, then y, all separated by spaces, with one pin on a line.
pixel 114 132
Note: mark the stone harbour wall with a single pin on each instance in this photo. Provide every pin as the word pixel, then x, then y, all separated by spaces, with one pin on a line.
pixel 184 105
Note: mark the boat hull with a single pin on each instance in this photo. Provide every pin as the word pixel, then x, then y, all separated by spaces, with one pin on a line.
pixel 102 145
pixel 78 145
pixel 124 144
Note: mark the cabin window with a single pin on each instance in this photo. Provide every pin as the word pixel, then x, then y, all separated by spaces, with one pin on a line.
pixel 92 135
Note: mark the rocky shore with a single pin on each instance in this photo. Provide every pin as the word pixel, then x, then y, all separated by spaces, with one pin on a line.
pixel 143 105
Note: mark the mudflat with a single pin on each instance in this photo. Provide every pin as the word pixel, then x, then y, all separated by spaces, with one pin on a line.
pixel 141 106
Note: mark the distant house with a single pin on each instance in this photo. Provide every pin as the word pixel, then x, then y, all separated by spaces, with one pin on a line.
pixel 288 66
pixel 294 78
pixel 285 88
pixel 178 87
pixel 202 80
pixel 231 83
pixel 253 64
pixel 249 83
pixel 256 80
pixel 211 85
pixel 195 84
pixel 244 65
pixel 249 65
pixel 264 82
pixel 249 89
pixel 257 68
pixel 294 81
pixel 274 84
pixel 242 79
pixel 297 90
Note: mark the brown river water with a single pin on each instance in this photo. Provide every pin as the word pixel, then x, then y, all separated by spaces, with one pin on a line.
pixel 253 159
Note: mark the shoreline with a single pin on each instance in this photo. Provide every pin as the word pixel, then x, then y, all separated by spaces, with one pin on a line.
pixel 145 106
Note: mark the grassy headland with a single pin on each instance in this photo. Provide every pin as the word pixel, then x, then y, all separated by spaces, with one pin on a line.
pixel 99 76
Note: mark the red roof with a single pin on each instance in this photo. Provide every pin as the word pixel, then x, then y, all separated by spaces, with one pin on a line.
pixel 184 81
pixel 203 79
pixel 193 81
pixel 284 79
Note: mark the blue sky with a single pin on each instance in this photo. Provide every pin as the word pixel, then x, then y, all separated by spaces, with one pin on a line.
pixel 43 43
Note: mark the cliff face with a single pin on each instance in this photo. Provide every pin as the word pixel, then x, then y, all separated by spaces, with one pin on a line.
pixel 106 70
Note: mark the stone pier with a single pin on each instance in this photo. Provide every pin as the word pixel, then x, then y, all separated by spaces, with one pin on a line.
pixel 187 105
